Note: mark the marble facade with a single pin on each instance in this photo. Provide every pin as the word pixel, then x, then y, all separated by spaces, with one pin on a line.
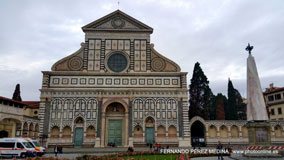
pixel 115 89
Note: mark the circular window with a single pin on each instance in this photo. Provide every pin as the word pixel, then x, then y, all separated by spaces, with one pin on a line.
pixel 117 62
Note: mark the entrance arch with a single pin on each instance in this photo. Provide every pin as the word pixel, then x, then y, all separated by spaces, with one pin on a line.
pixel 150 130
pixel 78 132
pixel 197 132
pixel 10 125
pixel 115 124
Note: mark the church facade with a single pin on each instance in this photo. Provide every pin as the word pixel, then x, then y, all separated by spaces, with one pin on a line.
pixel 115 90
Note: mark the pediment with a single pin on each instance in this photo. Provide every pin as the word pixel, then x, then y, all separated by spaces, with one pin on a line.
pixel 117 21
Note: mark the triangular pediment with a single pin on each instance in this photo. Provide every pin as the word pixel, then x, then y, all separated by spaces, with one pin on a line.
pixel 117 21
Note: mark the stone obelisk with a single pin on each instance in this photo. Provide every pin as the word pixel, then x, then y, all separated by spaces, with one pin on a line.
pixel 256 109
pixel 257 117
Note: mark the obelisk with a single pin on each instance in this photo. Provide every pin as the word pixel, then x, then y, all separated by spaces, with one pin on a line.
pixel 257 117
pixel 256 109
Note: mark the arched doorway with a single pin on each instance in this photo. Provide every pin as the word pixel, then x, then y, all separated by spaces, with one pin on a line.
pixel 3 134
pixel 78 132
pixel 36 131
pixel 31 130
pixel 25 129
pixel 115 125
pixel 66 132
pixel 10 125
pixel 138 132
pixel 150 130
pixel 197 131
pixel 54 132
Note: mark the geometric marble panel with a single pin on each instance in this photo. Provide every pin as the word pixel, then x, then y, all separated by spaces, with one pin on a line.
pixel 143 55
pixel 137 45
pixel 100 81
pixel 83 81
pixel 143 45
pixel 126 44
pixel 91 55
pixel 114 44
pixel 97 54
pixel 98 44
pixel 55 81
pixel 166 81
pixel 143 65
pixel 137 66
pixel 91 80
pixel 158 82
pixel 65 80
pixel 125 81
pixel 174 81
pixel 141 81
pixel 117 81
pixel 120 44
pixel 108 44
pixel 133 81
pixel 91 44
pixel 74 80
pixel 149 81
pixel 108 81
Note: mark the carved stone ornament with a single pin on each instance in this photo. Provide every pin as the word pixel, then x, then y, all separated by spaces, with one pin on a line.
pixel 75 63
pixel 117 22
pixel 158 64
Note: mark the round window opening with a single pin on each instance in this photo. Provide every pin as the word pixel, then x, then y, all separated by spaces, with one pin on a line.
pixel 117 62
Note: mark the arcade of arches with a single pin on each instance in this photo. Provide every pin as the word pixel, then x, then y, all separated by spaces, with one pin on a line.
pixel 18 119
pixel 209 132
pixel 10 127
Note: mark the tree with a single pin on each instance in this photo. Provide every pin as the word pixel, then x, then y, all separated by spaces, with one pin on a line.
pixel 17 93
pixel 221 102
pixel 213 108
pixel 235 109
pixel 241 107
pixel 200 94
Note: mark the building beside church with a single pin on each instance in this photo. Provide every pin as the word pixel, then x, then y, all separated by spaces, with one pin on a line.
pixel 115 90
pixel 274 99
pixel 19 118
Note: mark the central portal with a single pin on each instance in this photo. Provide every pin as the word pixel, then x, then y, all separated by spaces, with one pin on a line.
pixel 115 132
pixel 115 125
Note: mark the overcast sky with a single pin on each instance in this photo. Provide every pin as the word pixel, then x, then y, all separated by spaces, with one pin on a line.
pixel 35 34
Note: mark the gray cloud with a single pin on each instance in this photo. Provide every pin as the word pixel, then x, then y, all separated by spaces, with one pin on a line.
pixel 35 34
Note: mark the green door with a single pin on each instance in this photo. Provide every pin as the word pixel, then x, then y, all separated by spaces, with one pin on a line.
pixel 78 138
pixel 115 132
pixel 150 132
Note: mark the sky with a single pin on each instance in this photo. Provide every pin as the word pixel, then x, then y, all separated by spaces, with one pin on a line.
pixel 34 34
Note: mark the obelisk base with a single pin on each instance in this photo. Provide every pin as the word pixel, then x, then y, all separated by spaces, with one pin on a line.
pixel 259 133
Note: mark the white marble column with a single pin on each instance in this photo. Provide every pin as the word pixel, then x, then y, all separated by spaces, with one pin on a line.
pixel 103 129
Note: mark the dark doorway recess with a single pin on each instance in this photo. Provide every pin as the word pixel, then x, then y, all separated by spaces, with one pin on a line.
pixel 197 131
